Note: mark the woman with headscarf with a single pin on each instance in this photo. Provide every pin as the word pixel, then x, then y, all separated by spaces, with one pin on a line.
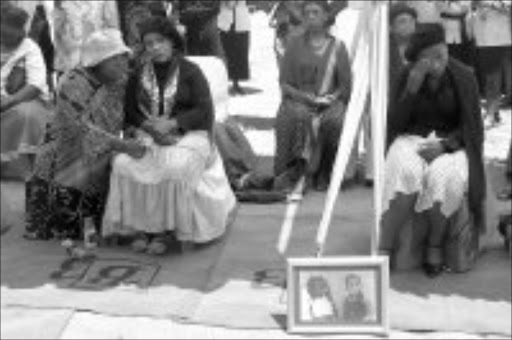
pixel 435 141
pixel 24 107
pixel 180 185
pixel 72 168
pixel 316 83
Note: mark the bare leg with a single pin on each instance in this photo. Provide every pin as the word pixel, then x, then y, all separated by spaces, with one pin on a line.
pixel 393 220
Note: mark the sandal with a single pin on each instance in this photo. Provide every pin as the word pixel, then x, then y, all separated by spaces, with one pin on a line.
pixel 158 246
pixel 140 244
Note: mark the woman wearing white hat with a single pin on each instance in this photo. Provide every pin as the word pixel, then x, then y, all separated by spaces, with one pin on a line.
pixel 72 169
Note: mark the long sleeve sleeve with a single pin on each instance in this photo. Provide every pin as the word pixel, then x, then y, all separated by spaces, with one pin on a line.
pixel 133 115
pixel 199 114
pixel 400 109
pixel 344 74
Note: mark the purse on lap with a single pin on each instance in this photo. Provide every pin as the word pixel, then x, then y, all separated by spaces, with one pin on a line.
pixel 17 78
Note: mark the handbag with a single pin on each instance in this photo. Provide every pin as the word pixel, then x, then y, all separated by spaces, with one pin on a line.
pixel 17 78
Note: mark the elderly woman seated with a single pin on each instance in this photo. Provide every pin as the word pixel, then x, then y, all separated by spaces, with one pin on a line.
pixel 434 159
pixel 72 168
pixel 24 109
pixel 179 186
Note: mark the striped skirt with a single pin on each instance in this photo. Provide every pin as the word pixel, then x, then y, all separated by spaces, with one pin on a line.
pixel 443 181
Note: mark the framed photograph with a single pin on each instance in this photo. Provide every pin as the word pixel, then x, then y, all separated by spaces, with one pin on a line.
pixel 338 295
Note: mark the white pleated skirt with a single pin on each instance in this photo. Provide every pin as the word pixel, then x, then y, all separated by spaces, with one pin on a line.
pixel 444 181
pixel 181 188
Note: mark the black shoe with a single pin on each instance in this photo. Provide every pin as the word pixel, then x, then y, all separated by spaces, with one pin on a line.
pixel 433 270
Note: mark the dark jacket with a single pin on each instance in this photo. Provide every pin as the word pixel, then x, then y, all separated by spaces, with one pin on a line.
pixel 193 106
pixel 471 132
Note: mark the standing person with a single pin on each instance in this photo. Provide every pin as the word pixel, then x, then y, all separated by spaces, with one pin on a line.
pixel 71 173
pixel 286 19
pixel 403 21
pixel 24 106
pixel 491 27
pixel 435 149
pixel 316 82
pixel 429 11
pixel 454 17
pixel 201 29
pixel 180 185
pixel 235 27
pixel 74 21
pixel 131 14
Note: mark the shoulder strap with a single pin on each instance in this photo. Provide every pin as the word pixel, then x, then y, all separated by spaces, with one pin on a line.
pixel 329 70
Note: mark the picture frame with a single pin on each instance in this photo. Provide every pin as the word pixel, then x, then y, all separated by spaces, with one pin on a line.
pixel 338 295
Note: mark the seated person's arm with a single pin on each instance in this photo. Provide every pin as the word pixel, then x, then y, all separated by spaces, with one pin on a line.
pixel 35 80
pixel 343 75
pixel 26 94
pixel 454 141
pixel 201 114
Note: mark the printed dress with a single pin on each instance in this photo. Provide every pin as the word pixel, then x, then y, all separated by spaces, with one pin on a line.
pixel 72 169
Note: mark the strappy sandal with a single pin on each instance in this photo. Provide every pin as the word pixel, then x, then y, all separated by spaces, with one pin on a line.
pixel 140 244
pixel 158 246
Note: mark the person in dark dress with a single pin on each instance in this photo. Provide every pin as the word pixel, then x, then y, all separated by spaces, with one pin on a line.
pixel 200 21
pixel 435 143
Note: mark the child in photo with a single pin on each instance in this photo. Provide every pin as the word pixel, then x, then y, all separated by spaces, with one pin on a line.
pixel 320 305
pixel 355 306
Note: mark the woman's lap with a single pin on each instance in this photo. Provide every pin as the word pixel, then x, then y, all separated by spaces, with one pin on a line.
pixel 445 180
pixel 23 127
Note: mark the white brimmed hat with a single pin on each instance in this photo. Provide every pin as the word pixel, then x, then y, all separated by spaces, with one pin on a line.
pixel 101 45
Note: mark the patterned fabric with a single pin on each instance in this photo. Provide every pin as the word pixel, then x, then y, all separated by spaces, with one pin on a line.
pixel 74 21
pixel 445 180
pixel 306 71
pixel 151 98
pixel 54 211
pixel 73 164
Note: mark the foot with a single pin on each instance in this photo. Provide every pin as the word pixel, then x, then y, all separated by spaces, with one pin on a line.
pixel 158 246
pixel 433 270
pixel 140 244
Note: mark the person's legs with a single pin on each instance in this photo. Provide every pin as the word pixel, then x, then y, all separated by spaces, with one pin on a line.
pixel 445 186
pixel 507 74
pixel 491 62
pixel 404 170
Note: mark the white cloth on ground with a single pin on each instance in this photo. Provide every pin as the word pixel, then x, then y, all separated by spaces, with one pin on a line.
pixel 445 180
pixel 181 188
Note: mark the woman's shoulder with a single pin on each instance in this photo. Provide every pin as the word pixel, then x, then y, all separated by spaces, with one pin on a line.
pixel 189 68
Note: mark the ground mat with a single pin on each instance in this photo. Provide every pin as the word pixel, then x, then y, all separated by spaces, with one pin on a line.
pixel 116 281
pixel 474 302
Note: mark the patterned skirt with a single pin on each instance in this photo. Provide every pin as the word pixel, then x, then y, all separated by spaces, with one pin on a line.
pixel 296 139
pixel 56 211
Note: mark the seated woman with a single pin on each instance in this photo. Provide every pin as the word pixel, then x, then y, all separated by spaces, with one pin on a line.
pixel 24 110
pixel 180 185
pixel 316 83
pixel 435 156
pixel 72 169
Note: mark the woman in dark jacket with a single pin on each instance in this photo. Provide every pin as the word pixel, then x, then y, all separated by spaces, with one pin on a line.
pixel 435 139
pixel 180 184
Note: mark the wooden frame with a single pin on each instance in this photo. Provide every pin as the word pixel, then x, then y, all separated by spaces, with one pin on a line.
pixel 362 311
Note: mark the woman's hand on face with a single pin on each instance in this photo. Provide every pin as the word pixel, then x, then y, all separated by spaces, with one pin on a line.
pixel 417 75
pixel 429 151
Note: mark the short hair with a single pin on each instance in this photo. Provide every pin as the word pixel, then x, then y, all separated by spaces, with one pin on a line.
pixel 352 277
pixel 400 8
pixel 166 28
pixel 324 4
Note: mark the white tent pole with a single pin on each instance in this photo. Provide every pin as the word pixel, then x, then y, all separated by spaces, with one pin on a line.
pixel 350 128
pixel 379 113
